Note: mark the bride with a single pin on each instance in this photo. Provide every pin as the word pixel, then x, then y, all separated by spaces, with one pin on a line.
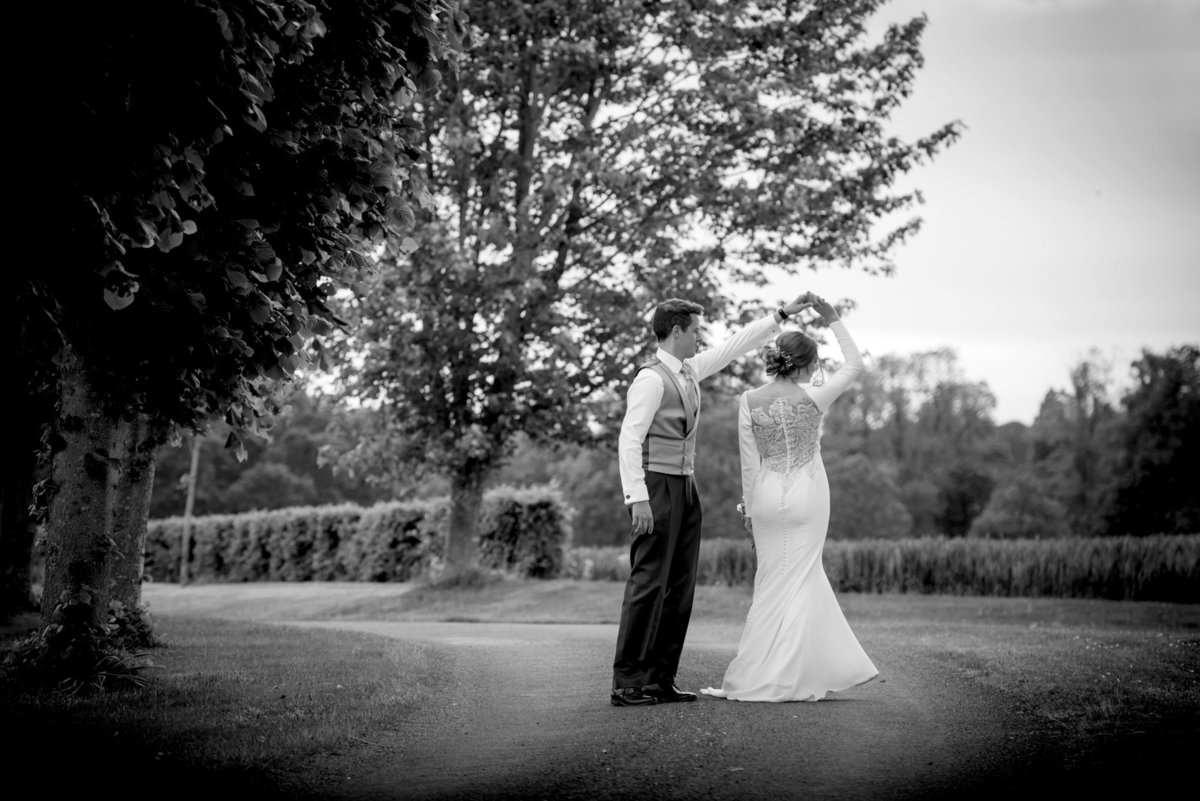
pixel 796 645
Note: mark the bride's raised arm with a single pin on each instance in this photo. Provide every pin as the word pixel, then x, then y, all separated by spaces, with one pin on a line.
pixel 852 362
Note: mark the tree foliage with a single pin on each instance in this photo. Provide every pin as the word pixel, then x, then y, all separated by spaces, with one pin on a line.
pixel 1074 448
pixel 283 470
pixel 229 161
pixel 1021 509
pixel 218 169
pixel 865 500
pixel 591 158
pixel 1158 491
pixel 920 416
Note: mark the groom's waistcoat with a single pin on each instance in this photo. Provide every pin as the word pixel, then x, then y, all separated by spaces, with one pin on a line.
pixel 670 443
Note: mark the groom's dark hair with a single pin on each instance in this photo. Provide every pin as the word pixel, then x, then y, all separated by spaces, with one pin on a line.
pixel 671 313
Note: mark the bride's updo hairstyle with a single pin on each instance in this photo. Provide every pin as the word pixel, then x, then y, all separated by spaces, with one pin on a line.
pixel 792 352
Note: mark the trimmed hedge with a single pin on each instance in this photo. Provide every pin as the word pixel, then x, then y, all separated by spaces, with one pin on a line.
pixel 1159 568
pixel 525 531
pixel 522 530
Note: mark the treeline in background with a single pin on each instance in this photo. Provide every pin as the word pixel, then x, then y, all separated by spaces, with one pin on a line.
pixel 912 451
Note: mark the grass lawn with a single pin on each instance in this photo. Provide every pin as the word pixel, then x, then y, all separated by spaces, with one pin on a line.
pixel 234 699
pixel 231 707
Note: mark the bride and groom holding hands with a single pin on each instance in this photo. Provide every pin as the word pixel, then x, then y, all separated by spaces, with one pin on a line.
pixel 796 644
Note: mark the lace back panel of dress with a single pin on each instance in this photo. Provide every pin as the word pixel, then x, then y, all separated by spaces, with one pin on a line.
pixel 788 435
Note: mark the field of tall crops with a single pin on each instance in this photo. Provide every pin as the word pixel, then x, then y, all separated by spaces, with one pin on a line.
pixel 1159 568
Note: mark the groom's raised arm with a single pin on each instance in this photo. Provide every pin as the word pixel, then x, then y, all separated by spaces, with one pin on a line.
pixel 745 339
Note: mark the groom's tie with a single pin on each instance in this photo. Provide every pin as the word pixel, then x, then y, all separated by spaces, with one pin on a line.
pixel 689 382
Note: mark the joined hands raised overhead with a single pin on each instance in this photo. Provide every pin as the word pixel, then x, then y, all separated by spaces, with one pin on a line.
pixel 819 305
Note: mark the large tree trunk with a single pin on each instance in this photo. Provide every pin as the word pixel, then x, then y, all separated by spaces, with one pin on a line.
pixel 79 543
pixel 462 539
pixel 138 443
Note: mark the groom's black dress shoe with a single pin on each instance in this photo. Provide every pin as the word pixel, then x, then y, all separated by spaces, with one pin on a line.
pixel 631 696
pixel 667 693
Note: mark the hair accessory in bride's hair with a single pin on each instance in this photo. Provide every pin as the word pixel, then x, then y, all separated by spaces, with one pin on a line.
pixel 777 361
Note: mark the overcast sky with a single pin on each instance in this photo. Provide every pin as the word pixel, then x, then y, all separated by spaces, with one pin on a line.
pixel 1068 216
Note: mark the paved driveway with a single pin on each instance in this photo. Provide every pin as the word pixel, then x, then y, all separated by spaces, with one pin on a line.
pixel 526 715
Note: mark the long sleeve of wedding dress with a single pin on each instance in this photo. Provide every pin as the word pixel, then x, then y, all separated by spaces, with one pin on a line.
pixel 749 450
pixel 839 382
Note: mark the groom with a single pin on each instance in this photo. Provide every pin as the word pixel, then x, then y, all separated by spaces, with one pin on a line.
pixel 656 453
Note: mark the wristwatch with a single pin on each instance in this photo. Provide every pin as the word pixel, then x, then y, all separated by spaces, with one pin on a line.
pixel 782 314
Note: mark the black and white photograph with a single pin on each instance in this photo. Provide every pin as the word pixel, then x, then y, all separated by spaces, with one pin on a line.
pixel 562 400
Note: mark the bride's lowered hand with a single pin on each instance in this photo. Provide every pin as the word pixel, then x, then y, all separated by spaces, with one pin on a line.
pixel 746 523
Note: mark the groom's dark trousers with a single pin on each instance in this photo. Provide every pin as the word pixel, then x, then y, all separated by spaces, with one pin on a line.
pixel 662 583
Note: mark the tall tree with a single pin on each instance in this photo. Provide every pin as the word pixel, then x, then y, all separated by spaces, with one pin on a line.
pixel 229 161
pixel 1158 492
pixel 914 410
pixel 1074 445
pixel 952 429
pixel 593 157
pixel 918 414
pixel 964 489
pixel 954 421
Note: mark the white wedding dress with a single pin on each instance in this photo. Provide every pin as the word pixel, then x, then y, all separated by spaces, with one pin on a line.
pixel 796 645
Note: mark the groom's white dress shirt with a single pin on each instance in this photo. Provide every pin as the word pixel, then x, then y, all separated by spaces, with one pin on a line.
pixel 646 392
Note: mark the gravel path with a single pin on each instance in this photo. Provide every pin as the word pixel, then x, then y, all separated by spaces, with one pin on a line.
pixel 526 715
